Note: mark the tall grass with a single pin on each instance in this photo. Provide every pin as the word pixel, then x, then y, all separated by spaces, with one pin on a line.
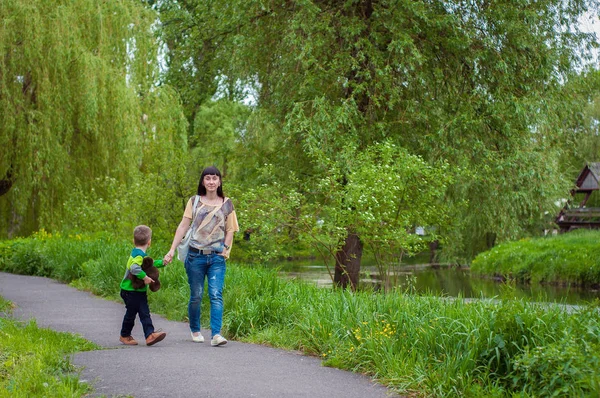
pixel 426 346
pixel 571 258
pixel 35 362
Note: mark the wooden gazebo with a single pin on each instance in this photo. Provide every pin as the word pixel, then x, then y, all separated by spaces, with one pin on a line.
pixel 571 217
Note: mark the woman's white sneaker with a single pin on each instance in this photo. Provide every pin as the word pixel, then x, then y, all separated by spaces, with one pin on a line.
pixel 197 339
pixel 218 340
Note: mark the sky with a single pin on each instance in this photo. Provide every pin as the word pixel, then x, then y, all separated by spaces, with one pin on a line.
pixel 591 23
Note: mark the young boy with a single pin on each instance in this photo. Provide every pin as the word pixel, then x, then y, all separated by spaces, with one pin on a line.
pixel 136 300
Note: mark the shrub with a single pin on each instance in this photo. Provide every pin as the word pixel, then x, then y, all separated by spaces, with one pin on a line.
pixel 572 258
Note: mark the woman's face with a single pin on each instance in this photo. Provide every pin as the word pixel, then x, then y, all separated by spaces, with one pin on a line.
pixel 211 182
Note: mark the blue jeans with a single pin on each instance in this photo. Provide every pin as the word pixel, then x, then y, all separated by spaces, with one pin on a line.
pixel 199 267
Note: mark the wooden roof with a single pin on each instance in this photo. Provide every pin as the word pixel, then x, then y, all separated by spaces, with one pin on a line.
pixel 589 178
pixel 571 218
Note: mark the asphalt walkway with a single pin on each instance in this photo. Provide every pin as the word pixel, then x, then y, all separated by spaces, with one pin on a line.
pixel 175 367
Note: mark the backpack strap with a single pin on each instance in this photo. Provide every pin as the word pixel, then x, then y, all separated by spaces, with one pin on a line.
pixel 194 207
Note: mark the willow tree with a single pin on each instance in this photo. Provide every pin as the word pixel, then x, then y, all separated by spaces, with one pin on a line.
pixel 585 123
pixel 77 88
pixel 475 84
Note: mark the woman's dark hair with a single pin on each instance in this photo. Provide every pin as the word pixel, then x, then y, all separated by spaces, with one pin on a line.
pixel 210 171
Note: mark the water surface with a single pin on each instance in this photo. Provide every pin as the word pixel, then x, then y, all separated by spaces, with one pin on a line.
pixel 440 281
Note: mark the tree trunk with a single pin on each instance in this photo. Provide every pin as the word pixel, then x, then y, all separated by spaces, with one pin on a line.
pixel 347 262
pixel 7 182
pixel 433 249
pixel 490 240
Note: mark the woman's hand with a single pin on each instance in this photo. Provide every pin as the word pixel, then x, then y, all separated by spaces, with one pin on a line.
pixel 184 225
pixel 225 253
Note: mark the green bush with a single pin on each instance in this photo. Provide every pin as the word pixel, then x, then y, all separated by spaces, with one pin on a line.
pixel 55 256
pixel 560 369
pixel 571 258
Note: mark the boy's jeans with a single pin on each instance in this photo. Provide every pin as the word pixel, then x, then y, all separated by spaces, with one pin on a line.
pixel 198 267
pixel 136 303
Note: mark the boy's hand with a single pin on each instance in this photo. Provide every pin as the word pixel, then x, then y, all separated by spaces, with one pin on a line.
pixel 147 280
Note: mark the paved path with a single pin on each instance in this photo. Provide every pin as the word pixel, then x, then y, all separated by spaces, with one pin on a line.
pixel 175 367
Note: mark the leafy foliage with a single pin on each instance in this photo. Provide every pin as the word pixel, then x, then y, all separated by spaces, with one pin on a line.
pixel 584 121
pixel 79 101
pixel 117 208
pixel 482 96
pixel 389 192
pixel 476 85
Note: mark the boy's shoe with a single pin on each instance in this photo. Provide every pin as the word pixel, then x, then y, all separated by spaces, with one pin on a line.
pixel 218 340
pixel 155 338
pixel 128 340
pixel 197 339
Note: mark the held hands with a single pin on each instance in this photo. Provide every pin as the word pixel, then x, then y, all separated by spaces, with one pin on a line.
pixel 168 257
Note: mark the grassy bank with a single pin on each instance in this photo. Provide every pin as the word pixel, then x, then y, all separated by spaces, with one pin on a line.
pixel 35 362
pixel 571 258
pixel 422 346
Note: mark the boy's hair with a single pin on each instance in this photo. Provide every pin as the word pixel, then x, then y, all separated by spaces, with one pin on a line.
pixel 142 235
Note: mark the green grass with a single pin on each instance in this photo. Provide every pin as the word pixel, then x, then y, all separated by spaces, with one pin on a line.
pixel 5 306
pixel 571 258
pixel 420 346
pixel 35 362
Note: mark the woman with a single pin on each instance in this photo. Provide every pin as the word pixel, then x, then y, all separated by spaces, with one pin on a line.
pixel 213 222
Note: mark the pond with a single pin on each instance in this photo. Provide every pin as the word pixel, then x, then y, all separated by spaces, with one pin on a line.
pixel 441 281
